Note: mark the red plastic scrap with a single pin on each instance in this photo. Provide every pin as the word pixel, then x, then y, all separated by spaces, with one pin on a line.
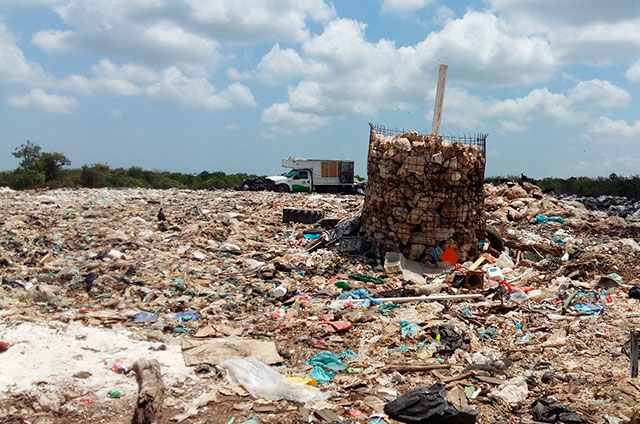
pixel 449 256
pixel 507 285
pixel 336 326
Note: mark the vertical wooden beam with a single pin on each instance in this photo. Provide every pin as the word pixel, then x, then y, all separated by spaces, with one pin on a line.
pixel 437 111
pixel 150 392
pixel 633 355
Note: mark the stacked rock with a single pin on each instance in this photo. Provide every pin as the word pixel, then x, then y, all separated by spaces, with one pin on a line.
pixel 423 193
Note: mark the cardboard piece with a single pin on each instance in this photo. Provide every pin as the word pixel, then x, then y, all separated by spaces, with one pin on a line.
pixel 214 351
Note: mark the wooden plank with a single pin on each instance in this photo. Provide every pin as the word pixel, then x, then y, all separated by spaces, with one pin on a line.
pixel 150 391
pixel 490 380
pixel 477 263
pixel 437 110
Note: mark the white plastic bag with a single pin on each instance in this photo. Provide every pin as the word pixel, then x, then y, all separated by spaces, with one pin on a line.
pixel 264 382
pixel 505 261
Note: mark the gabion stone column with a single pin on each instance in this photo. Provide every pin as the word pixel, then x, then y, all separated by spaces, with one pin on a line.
pixel 423 193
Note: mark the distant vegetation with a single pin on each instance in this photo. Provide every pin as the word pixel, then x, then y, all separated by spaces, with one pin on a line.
pixel 38 169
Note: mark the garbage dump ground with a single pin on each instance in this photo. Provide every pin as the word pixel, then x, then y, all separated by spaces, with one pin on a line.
pixel 253 320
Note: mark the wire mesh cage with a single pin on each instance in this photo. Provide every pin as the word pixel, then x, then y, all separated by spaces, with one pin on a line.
pixel 468 139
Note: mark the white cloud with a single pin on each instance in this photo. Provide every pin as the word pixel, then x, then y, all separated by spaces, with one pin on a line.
pixel 108 78
pixel 443 14
pixel 235 74
pixel 39 99
pixel 148 31
pixel 239 95
pixel 14 67
pixel 342 74
pixel 175 40
pixel 185 91
pixel 599 93
pixel 633 73
pixel 539 105
pixel 170 32
pixel 480 51
pixel 402 6
pixel 280 65
pixel 600 44
pixel 53 41
pixel 111 79
pixel 566 12
pixel 579 31
pixel 30 3
pixel 284 121
pixel 108 70
pixel 605 130
pixel 116 113
pixel 510 127
pixel 259 20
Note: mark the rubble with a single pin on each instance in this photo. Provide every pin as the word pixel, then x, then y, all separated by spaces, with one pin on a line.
pixel 92 281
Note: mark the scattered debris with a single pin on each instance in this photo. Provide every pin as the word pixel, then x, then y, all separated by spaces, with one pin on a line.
pixel 91 283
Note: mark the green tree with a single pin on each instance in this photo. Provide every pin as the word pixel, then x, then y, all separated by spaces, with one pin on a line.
pixel 29 153
pixel 94 176
pixel 22 179
pixel 51 163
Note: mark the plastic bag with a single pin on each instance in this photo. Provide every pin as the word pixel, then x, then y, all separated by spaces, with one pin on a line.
pixel 264 382
pixel 504 261
pixel 548 411
pixel 428 406
pixel 327 360
pixel 449 339
pixel 320 375
pixel 231 248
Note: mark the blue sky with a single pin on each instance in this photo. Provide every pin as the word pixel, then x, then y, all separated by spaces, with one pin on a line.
pixel 237 85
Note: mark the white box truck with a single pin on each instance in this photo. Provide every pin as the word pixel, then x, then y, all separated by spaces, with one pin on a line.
pixel 319 175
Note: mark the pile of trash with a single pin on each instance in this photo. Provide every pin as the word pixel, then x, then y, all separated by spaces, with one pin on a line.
pixel 256 320
pixel 253 184
pixel 623 207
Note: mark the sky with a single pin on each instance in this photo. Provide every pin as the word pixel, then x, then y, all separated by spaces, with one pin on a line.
pixel 237 85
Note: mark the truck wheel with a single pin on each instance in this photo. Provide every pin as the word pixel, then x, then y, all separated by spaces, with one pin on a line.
pixel 347 190
pixel 282 188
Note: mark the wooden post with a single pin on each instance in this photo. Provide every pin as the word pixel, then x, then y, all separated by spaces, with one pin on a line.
pixel 633 355
pixel 150 392
pixel 437 111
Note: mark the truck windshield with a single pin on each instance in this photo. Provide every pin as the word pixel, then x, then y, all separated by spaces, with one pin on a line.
pixel 291 173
